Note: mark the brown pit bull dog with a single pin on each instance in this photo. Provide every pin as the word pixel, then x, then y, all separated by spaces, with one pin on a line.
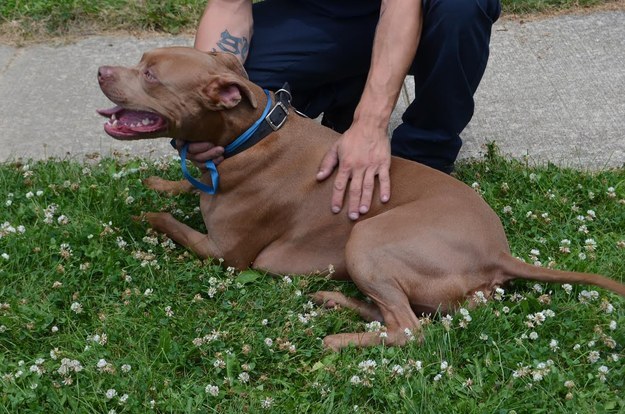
pixel 430 248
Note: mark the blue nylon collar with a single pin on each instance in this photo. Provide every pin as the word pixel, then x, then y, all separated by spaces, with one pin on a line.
pixel 230 148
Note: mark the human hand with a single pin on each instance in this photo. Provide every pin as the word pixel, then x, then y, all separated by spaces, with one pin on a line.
pixel 200 152
pixel 361 154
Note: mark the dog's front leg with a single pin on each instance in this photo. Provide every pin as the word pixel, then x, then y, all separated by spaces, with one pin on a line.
pixel 199 243
pixel 169 187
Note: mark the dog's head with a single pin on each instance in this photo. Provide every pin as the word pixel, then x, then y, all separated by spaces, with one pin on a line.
pixel 176 92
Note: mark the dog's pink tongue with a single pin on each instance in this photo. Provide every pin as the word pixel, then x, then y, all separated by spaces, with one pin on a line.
pixel 110 111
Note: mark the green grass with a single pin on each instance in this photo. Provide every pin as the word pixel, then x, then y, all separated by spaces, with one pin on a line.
pixel 182 325
pixel 35 18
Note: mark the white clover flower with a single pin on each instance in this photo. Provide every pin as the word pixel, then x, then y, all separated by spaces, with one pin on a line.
pixel 607 307
pixel 368 366
pixel 533 336
pixel 123 399
pixel 374 326
pixel 603 370
pixel 612 325
pixel 267 402
pixel 507 210
pixel 36 369
pixel 111 393
pixel 591 245
pixel 569 384
pixel 593 356
pixel 554 345
pixel 418 365
pixel 121 243
pixel 479 297
pixel 355 379
pixel 5 256
pixel 168 312
pixel 244 377
pixel 76 307
pixel 30 194
pixel 397 370
pixel 437 377
pixel 409 334
pixel 269 342
pixel 565 246
pixel 549 313
pixel 567 288
pixel 212 390
pixel 126 368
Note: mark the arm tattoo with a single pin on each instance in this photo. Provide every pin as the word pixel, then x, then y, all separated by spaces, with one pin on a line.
pixel 232 44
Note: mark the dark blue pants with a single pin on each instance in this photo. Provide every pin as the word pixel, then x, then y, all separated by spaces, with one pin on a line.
pixel 326 60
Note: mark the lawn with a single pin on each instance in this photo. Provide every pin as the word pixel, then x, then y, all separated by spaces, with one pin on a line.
pixel 99 314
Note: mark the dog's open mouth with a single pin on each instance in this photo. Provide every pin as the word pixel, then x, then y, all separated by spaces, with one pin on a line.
pixel 130 124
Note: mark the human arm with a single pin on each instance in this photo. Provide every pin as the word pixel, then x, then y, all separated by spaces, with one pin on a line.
pixel 363 151
pixel 225 26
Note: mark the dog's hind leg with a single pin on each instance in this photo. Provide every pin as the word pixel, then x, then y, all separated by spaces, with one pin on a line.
pixel 379 273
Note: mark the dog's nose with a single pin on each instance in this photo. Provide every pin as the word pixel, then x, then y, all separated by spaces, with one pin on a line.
pixel 104 73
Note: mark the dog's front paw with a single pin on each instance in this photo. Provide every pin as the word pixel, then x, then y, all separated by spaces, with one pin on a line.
pixel 158 221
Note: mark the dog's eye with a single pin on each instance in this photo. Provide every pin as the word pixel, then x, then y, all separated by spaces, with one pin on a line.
pixel 149 76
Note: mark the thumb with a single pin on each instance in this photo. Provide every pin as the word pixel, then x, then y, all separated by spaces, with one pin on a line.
pixel 329 162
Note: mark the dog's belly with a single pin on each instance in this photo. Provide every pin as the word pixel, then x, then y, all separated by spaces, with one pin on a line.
pixel 288 258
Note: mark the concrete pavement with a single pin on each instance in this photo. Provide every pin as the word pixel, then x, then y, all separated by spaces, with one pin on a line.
pixel 554 90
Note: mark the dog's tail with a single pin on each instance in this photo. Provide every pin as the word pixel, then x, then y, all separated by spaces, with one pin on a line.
pixel 516 269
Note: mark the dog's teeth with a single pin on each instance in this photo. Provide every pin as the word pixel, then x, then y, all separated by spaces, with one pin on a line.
pixel 114 123
pixel 113 117
pixel 146 121
pixel 133 125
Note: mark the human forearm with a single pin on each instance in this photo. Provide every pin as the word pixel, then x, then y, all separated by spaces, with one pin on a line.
pixel 226 26
pixel 395 44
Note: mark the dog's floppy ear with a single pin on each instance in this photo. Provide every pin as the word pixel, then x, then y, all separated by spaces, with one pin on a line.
pixel 226 91
pixel 232 62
